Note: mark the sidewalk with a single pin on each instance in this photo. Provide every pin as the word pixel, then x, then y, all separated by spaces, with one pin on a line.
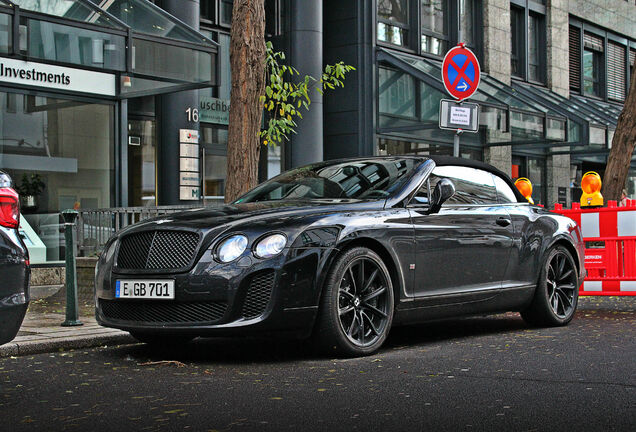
pixel 41 332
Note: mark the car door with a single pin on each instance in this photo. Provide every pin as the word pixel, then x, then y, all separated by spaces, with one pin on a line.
pixel 465 247
pixel 528 237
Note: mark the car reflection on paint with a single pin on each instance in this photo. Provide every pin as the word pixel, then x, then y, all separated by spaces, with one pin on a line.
pixel 340 251
pixel 14 263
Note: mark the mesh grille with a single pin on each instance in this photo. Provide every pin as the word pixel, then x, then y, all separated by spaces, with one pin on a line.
pixel 156 250
pixel 149 312
pixel 258 294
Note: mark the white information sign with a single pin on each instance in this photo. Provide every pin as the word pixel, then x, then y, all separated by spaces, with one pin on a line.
pixel 460 115
pixel 56 77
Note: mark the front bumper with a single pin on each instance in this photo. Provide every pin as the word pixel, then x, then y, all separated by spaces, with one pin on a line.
pixel 248 296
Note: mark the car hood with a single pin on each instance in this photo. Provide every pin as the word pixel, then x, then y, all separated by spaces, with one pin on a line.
pixel 228 216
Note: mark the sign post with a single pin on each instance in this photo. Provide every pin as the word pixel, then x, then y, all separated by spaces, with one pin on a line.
pixel 460 75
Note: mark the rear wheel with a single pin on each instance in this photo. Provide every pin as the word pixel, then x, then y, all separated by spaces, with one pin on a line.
pixel 557 292
pixel 357 305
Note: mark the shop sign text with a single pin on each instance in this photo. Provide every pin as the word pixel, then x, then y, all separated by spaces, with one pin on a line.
pixel 56 77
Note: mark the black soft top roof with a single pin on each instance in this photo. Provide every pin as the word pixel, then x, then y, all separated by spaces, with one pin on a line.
pixel 449 160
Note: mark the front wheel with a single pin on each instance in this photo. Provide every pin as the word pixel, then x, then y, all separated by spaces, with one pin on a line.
pixel 357 305
pixel 557 292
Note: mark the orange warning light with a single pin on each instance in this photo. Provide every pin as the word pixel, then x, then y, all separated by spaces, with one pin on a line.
pixel 525 187
pixel 591 185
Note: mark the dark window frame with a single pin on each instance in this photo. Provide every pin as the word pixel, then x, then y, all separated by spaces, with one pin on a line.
pixel 607 37
pixel 538 12
pixel 210 14
pixel 413 41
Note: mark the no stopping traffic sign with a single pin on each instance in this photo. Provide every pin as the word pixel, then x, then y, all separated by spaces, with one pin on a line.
pixel 460 72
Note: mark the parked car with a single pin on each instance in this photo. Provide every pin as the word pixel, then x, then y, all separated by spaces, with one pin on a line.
pixel 341 251
pixel 14 263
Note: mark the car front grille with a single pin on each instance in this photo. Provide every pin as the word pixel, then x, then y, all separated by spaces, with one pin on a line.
pixel 156 250
pixel 258 294
pixel 161 312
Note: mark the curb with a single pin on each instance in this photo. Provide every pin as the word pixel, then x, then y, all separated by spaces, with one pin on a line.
pixel 60 344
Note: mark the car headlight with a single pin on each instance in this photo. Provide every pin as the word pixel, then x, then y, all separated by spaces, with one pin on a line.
pixel 270 246
pixel 232 248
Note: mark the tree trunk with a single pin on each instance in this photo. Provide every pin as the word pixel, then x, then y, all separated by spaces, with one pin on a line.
pixel 247 63
pixel 622 147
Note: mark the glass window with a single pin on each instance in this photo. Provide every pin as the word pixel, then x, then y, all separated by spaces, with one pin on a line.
pixel 466 21
pixel 214 144
pixel 393 21
pixel 224 75
pixel 592 64
pixel 70 9
pixel 472 186
pixel 225 13
pixel 57 42
pixel 524 125
pixel 592 72
pixel 61 153
pixel 504 193
pixel 167 61
pixel 434 15
pixel 144 17
pixel 397 93
pixel 527 57
pixel 517 53
pixel 535 48
pixel 399 147
pixel 6 31
pixel 208 10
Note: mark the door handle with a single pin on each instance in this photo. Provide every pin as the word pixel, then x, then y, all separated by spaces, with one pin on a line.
pixel 503 221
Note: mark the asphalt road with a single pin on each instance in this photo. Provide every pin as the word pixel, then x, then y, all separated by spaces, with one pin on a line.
pixel 485 373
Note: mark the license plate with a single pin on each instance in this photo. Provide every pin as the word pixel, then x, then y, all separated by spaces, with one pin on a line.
pixel 145 289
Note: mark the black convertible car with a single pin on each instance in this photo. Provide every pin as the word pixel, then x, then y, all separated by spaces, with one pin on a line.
pixel 341 251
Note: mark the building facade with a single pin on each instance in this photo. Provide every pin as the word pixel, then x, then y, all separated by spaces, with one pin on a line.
pixel 556 73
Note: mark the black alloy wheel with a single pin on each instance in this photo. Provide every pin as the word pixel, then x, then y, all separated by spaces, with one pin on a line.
pixel 557 295
pixel 357 307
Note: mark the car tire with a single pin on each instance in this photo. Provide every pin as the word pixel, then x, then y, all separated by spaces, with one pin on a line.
pixel 162 340
pixel 356 309
pixel 557 292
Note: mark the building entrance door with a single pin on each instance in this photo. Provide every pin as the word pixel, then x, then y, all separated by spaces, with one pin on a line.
pixel 142 162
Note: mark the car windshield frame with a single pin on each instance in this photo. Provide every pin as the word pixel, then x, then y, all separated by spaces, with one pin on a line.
pixel 346 180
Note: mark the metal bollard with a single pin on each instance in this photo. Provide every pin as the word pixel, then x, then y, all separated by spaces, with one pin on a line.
pixel 72 308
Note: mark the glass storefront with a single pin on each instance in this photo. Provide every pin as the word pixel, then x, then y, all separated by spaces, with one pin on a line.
pixel 396 147
pixel 60 154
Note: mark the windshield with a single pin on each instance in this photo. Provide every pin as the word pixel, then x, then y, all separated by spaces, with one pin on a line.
pixel 357 179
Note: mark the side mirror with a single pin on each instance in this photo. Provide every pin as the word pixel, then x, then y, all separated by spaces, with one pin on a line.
pixel 444 189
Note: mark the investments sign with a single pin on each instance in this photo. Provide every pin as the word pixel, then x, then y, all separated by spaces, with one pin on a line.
pixel 56 77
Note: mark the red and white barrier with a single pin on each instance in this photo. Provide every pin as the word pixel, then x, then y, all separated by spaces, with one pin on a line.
pixel 611 263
